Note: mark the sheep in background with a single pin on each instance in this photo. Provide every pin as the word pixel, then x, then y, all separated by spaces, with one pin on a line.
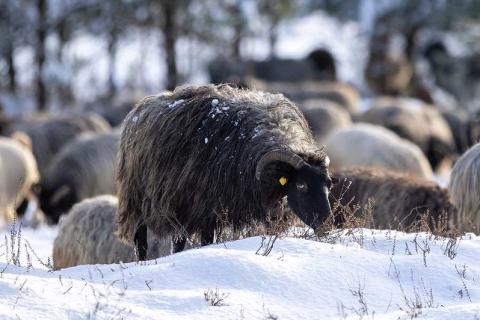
pixel 464 187
pixel 18 172
pixel 325 116
pixel 86 235
pixel 115 114
pixel 341 93
pixel 49 135
pixel 416 121
pixel 194 155
pixel 400 200
pixel 369 145
pixel 465 128
pixel 82 169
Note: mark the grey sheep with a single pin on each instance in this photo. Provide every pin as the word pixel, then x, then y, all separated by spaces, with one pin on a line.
pixel 341 93
pixel 370 145
pixel 190 157
pixel 324 116
pixel 86 235
pixel 465 128
pixel 416 121
pixel 464 187
pixel 18 171
pixel 49 134
pixel 82 169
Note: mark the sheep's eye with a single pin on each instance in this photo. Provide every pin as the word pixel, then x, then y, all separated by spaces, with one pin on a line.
pixel 302 186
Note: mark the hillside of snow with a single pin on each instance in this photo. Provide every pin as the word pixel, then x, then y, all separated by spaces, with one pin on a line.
pixel 360 274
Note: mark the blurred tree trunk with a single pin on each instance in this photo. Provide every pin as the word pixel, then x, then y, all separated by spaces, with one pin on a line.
pixel 272 38
pixel 169 9
pixel 12 73
pixel 41 34
pixel 112 53
pixel 238 28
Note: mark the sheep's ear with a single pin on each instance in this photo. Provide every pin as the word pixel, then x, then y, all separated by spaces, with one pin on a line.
pixel 60 194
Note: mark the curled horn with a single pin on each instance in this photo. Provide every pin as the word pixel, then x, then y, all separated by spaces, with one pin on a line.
pixel 279 155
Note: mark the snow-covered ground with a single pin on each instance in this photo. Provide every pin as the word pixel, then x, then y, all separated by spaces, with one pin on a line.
pixel 369 274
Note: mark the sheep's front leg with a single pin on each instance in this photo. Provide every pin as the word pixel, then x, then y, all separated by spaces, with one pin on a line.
pixel 141 241
pixel 178 244
pixel 207 236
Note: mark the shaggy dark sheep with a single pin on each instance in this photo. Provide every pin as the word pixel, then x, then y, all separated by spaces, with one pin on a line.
pixel 464 187
pixel 324 116
pixel 49 135
pixel 86 235
pixel 399 199
pixel 192 156
pixel 82 169
pixel 416 121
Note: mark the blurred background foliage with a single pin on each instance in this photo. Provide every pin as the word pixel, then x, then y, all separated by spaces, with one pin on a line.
pixel 58 54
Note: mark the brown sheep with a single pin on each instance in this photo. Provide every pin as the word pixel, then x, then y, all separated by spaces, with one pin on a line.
pixel 399 199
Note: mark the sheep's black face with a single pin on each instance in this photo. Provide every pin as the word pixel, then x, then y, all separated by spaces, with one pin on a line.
pixel 307 191
pixel 56 202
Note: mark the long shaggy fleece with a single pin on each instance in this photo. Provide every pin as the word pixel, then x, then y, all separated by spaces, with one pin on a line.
pixel 85 167
pixel 370 145
pixel 464 187
pixel 399 199
pixel 18 172
pixel 186 157
pixel 87 236
pixel 49 135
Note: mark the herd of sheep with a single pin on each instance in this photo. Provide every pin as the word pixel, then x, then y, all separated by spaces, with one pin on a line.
pixel 181 161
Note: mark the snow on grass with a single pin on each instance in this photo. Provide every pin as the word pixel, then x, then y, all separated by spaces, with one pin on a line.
pixel 375 274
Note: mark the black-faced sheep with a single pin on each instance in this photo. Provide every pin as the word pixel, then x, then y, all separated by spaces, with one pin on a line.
pixel 324 116
pixel 370 145
pixel 49 135
pixel 464 187
pixel 192 156
pixel 18 172
pixel 84 168
pixel 415 121
pixel 86 235
pixel 399 200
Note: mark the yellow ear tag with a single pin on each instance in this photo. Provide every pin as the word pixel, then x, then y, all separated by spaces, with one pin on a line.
pixel 283 181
